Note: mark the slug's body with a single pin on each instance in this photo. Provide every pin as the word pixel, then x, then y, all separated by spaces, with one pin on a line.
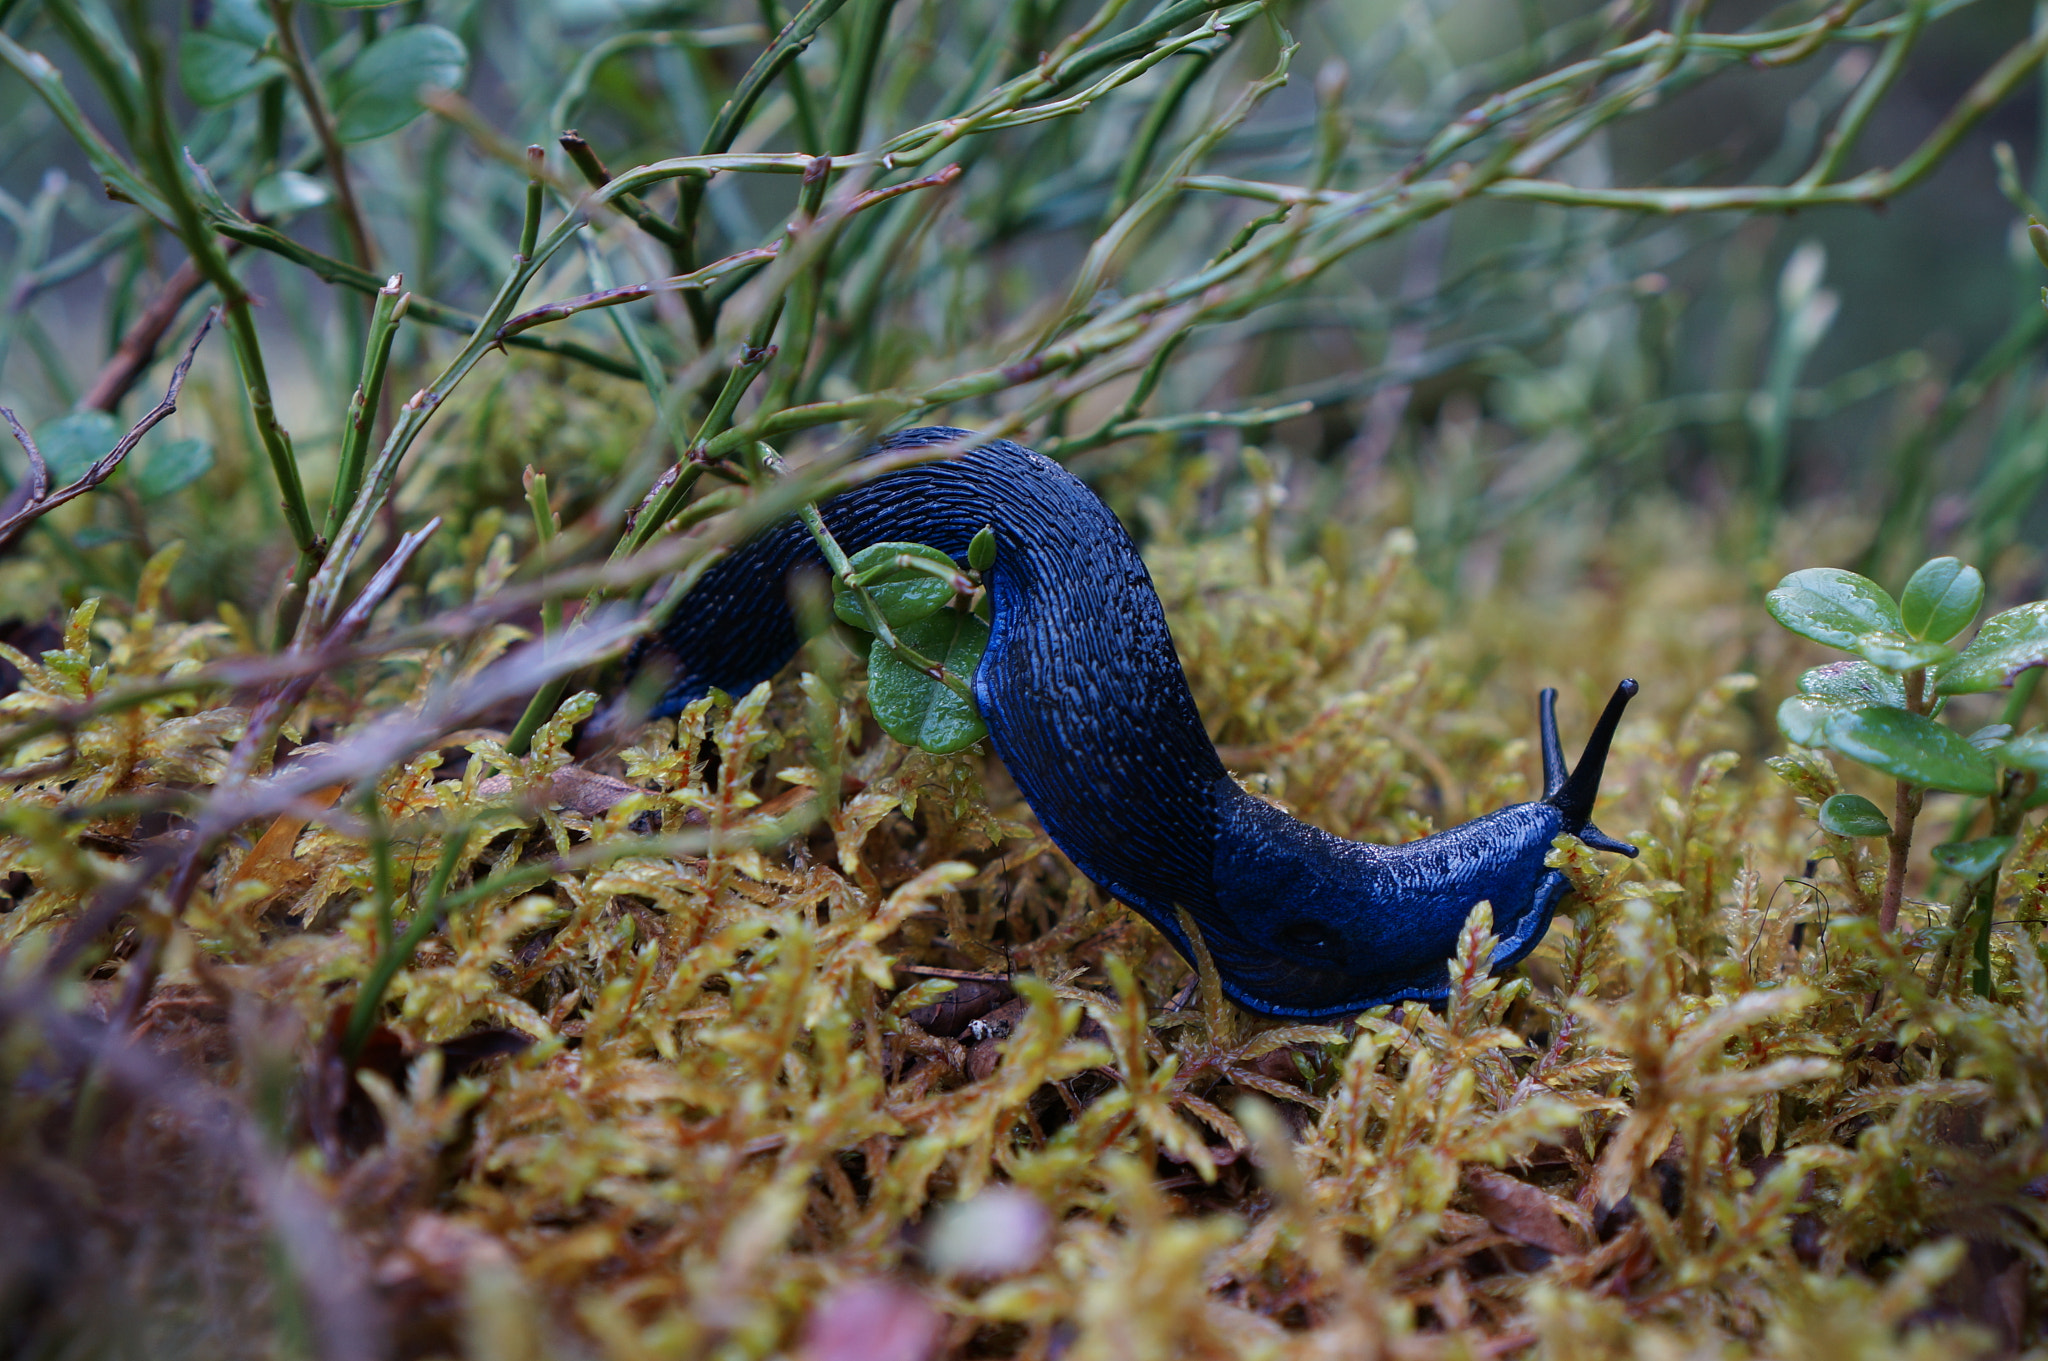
pixel 1088 706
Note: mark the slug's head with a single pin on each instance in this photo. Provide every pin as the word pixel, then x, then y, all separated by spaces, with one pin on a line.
pixel 1572 792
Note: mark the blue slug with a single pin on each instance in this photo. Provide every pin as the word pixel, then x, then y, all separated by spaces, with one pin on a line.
pixel 1086 703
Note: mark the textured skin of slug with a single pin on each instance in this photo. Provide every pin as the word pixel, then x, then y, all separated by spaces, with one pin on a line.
pixel 1088 706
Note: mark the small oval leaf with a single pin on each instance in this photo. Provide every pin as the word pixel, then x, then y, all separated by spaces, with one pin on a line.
pixel 171 467
pixel 904 595
pixel 73 443
pixel 1897 652
pixel 2009 643
pixel 1913 748
pixel 1854 685
pixel 1941 599
pixel 912 707
pixel 2026 752
pixel 1804 720
pixel 1834 607
pixel 287 192
pixel 223 61
pixel 379 91
pixel 1854 815
pixel 1971 861
pixel 981 549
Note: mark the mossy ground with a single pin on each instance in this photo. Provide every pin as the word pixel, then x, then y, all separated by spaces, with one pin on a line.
pixel 1714 1115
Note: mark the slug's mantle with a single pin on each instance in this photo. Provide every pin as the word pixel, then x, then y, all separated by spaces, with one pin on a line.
pixel 1088 706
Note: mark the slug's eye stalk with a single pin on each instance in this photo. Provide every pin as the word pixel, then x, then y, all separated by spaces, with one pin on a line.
pixel 1573 794
pixel 1554 771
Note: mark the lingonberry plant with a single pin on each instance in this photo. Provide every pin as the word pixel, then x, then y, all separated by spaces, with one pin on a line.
pixel 1885 711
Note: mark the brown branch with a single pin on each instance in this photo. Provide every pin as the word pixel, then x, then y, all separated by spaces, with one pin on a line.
pixel 137 350
pixel 612 297
pixel 103 468
pixel 586 159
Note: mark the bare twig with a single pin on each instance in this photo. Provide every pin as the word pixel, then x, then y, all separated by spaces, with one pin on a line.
pixel 41 505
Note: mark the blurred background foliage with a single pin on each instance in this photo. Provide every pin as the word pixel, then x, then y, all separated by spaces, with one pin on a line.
pixel 1487 377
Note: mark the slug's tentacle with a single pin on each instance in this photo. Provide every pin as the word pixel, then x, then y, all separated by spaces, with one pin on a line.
pixel 1088 706
pixel 1554 771
pixel 1573 796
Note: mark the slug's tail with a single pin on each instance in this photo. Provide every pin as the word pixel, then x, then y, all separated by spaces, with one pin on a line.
pixel 1572 793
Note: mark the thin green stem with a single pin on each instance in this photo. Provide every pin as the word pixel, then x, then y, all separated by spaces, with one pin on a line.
pixel 313 99
pixel 421 309
pixel 585 158
pixel 363 407
pixel 1848 129
pixel 809 131
pixel 545 525
pixel 362 1018
pixel 788 44
pixel 1906 799
pixel 857 77
pixel 1158 118
pixel 156 144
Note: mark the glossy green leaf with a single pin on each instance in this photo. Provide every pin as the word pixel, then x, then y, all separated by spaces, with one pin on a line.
pixel 223 61
pixel 1914 748
pixel 1834 607
pixel 73 443
pixel 1897 652
pixel 981 549
pixel 2029 751
pixel 171 467
pixel 903 594
pixel 1854 685
pixel 354 4
pixel 287 192
pixel 912 707
pixel 1854 815
pixel 1804 720
pixel 2008 644
pixel 379 91
pixel 1971 861
pixel 1941 599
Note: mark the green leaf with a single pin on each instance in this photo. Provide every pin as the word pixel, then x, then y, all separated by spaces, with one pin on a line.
pixel 1853 685
pixel 222 62
pixel 1897 652
pixel 287 192
pixel 981 549
pixel 2008 644
pixel 1971 861
pixel 2028 751
pixel 1804 720
pixel 912 707
pixel 1833 607
pixel 1941 599
pixel 903 594
pixel 379 92
pixel 73 443
pixel 172 467
pixel 1854 815
pixel 354 4
pixel 1913 748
